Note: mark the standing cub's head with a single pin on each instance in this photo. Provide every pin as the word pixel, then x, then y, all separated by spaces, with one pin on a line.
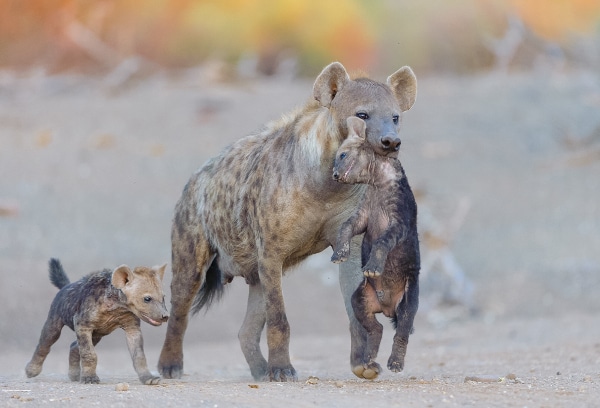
pixel 379 105
pixel 357 162
pixel 143 289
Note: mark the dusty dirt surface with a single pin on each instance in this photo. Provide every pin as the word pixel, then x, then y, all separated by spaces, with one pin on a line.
pixel 90 173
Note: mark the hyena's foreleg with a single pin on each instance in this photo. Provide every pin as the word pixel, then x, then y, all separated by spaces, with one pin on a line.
pixel 189 270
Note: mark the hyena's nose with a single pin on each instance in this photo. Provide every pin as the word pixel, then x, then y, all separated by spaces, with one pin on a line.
pixel 336 175
pixel 391 142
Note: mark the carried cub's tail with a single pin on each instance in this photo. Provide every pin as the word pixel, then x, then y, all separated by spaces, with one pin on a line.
pixel 58 277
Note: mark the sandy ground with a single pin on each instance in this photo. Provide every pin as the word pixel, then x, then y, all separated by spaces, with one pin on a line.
pixel 90 173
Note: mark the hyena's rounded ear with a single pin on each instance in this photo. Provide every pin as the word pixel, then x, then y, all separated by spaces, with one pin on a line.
pixel 404 86
pixel 329 82
pixel 356 127
pixel 160 270
pixel 121 276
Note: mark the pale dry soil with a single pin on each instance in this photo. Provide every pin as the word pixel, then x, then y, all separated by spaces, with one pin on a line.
pixel 90 174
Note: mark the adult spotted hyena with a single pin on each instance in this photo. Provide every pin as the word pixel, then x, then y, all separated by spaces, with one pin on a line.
pixel 387 215
pixel 266 203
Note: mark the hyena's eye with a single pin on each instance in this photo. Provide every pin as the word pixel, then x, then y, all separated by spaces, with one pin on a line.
pixel 395 119
pixel 147 299
pixel 362 115
pixel 342 156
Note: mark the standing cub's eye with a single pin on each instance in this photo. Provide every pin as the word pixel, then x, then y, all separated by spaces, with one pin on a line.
pixel 147 299
pixel 342 156
pixel 362 115
pixel 395 119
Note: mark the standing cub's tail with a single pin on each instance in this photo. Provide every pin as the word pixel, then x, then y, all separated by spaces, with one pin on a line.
pixel 58 277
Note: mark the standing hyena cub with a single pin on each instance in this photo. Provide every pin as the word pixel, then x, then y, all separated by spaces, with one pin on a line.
pixel 390 249
pixel 96 305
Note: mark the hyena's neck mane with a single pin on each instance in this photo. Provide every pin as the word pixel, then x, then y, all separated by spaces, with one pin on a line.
pixel 315 134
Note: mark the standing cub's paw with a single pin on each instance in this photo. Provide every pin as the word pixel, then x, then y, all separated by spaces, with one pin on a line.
pixel 33 370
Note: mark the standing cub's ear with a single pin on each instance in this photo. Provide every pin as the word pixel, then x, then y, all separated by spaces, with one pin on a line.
pixel 160 270
pixel 121 276
pixel 404 85
pixel 329 82
pixel 356 127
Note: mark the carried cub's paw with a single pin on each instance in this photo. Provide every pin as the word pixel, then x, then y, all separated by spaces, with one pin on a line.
pixel 372 269
pixel 338 257
pixel 368 371
pixel 341 253
pixel 370 273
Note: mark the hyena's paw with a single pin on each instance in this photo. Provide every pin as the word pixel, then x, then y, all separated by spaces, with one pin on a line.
pixel 281 374
pixel 90 379
pixel 74 375
pixel 368 371
pixel 170 366
pixel 396 363
pixel 150 379
pixel 341 253
pixel 32 370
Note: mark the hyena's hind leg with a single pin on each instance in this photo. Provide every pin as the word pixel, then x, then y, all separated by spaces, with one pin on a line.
pixel 405 316
pixel 189 269
pixel 50 334
pixel 251 330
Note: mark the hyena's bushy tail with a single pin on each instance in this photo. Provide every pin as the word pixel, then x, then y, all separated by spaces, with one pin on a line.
pixel 212 289
pixel 58 277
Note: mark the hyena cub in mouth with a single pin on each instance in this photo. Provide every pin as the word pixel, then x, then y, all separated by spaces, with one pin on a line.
pixel 387 216
pixel 96 305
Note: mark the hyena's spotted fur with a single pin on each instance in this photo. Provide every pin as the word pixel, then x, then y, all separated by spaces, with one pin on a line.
pixel 96 305
pixel 266 203
pixel 387 215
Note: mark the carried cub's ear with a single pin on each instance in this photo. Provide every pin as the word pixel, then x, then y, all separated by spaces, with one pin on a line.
pixel 404 85
pixel 329 82
pixel 160 270
pixel 121 276
pixel 356 127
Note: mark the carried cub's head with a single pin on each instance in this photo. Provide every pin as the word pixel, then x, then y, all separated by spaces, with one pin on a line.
pixel 356 162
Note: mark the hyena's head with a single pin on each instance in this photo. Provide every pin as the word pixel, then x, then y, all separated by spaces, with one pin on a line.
pixel 379 105
pixel 142 287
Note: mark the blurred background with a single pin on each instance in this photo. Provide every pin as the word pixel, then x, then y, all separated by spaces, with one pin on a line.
pixel 108 106
pixel 458 36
